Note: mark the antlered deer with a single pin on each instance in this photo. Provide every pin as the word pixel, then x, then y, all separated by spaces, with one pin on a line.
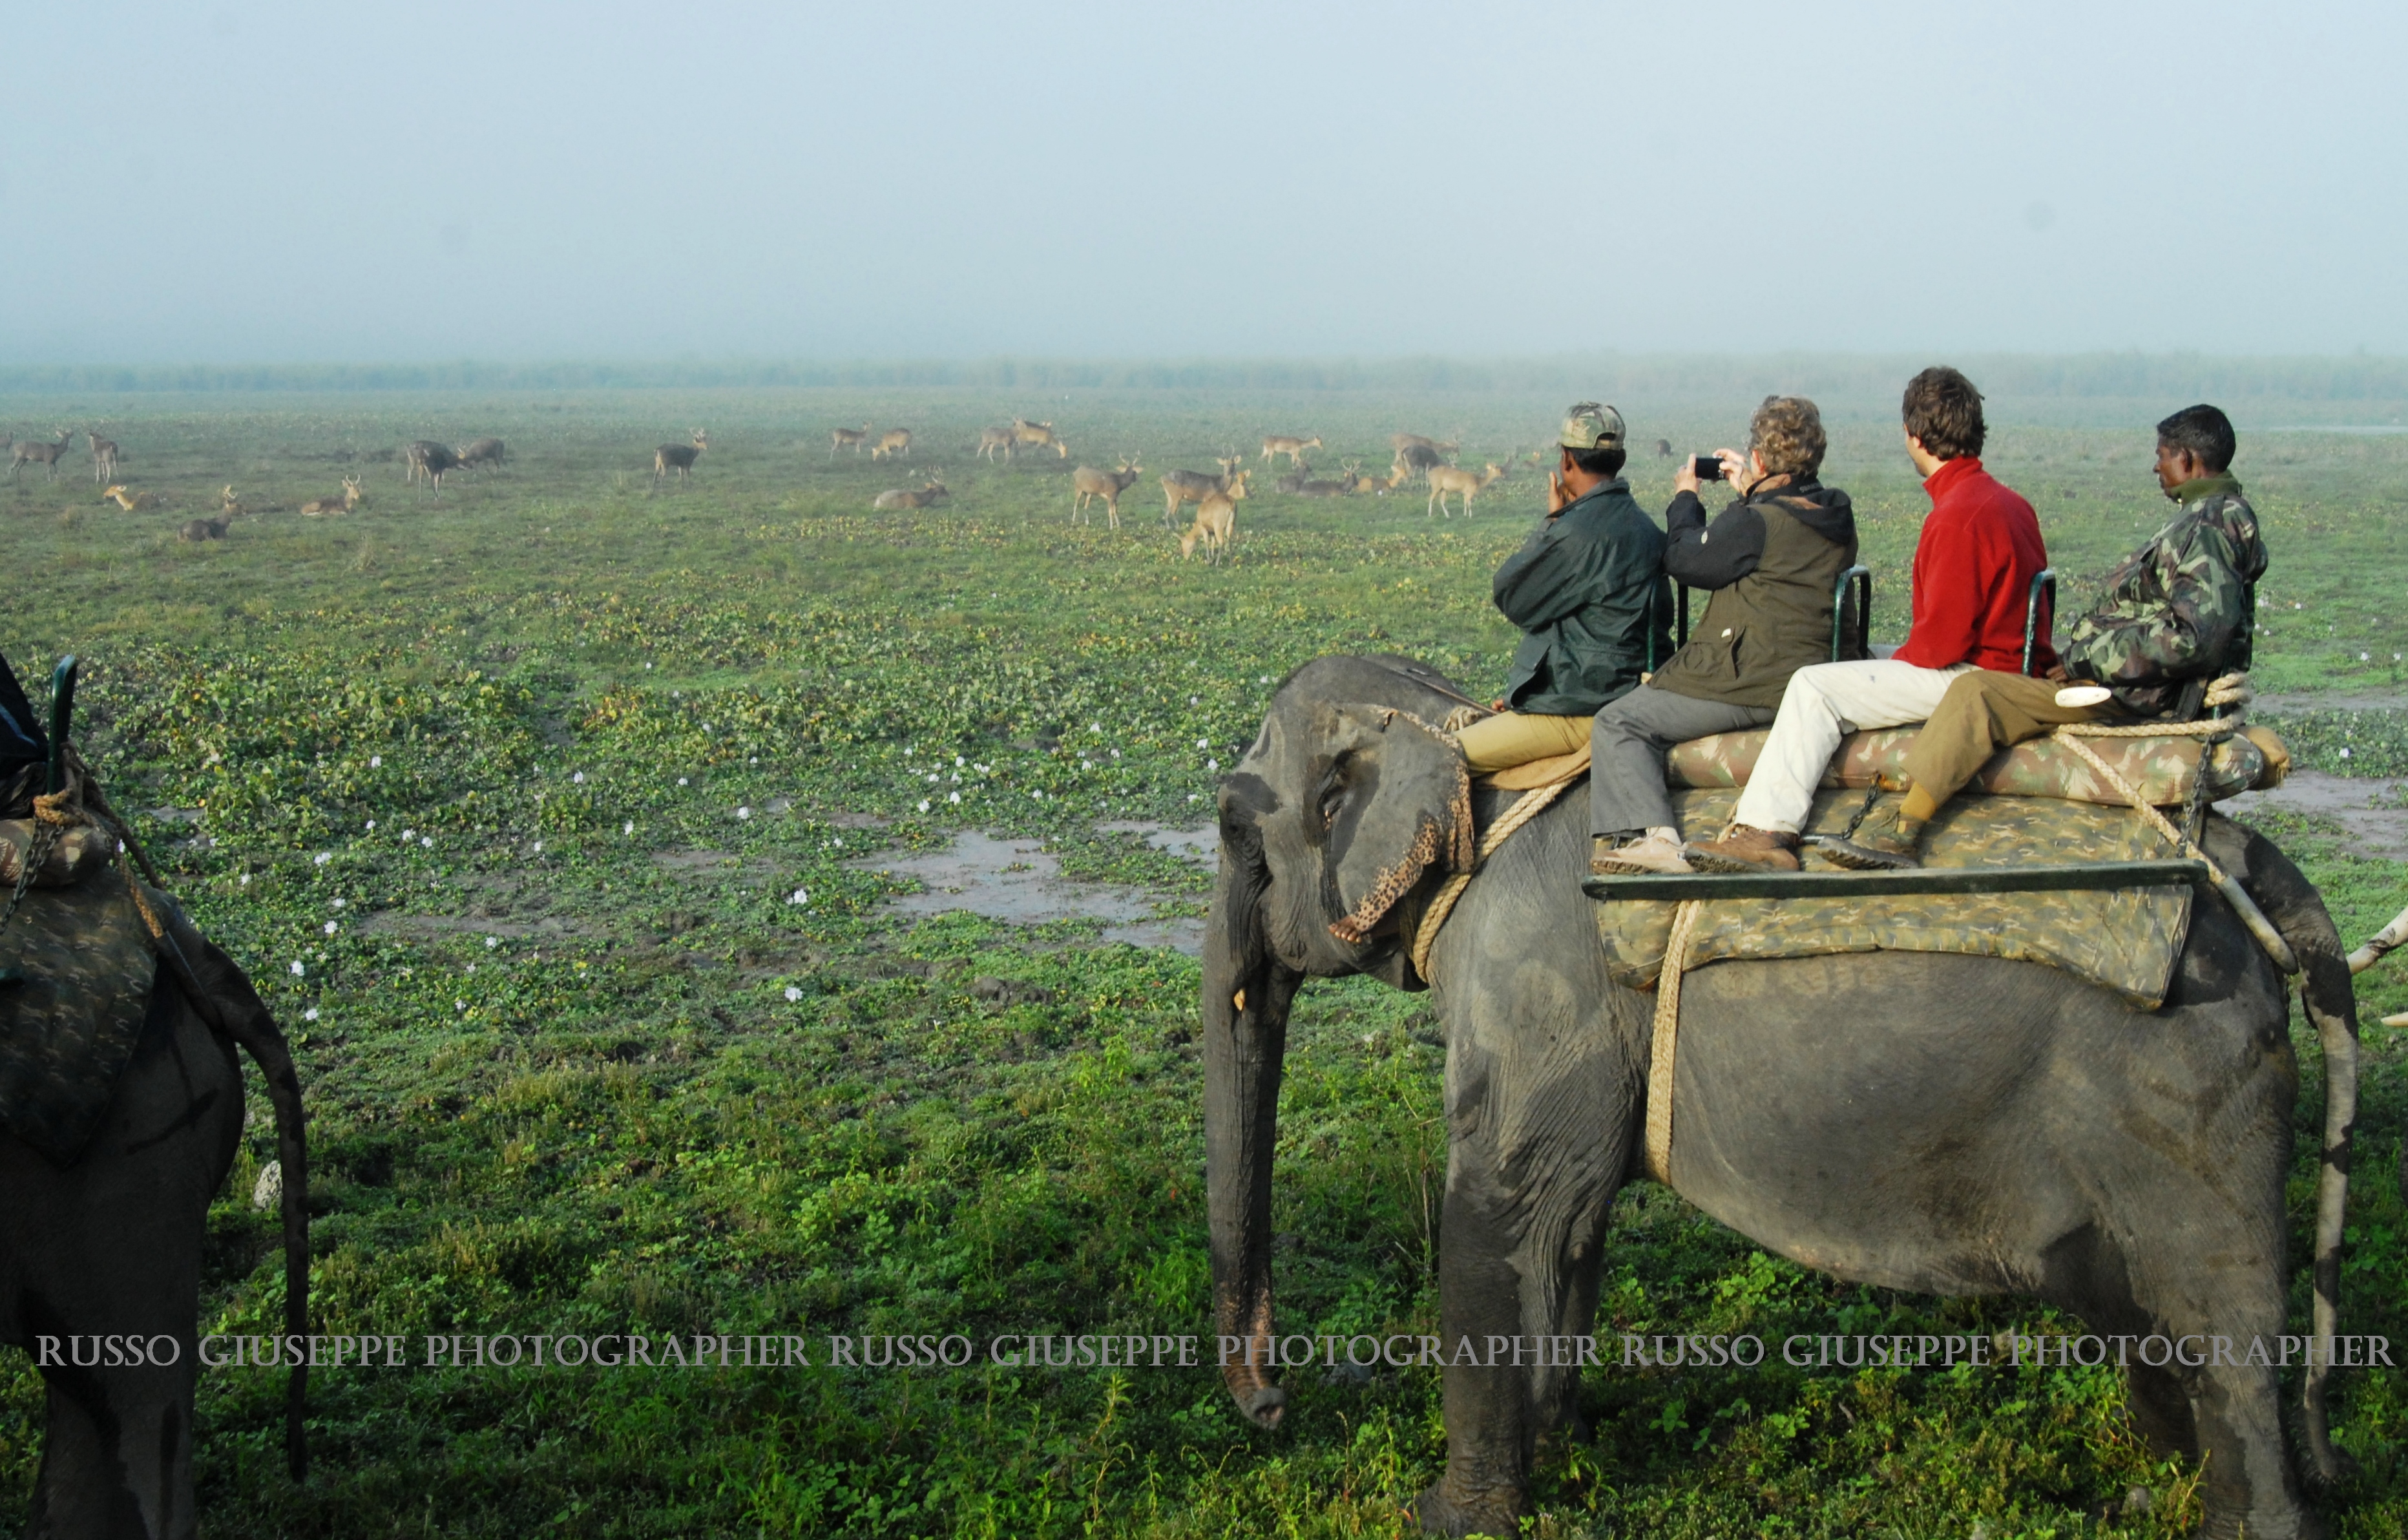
pixel 231 506
pixel 1028 434
pixel 1280 443
pixel 1446 479
pixel 891 442
pixel 33 452
pixel 132 502
pixel 104 457
pixel 927 496
pixel 484 451
pixel 352 496
pixel 677 458
pixel 1089 483
pixel 1193 486
pixel 428 463
pixel 847 439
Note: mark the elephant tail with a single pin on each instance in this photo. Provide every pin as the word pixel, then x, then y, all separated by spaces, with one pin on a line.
pixel 223 995
pixel 2331 1001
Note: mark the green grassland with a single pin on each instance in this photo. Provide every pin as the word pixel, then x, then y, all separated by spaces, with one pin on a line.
pixel 547 816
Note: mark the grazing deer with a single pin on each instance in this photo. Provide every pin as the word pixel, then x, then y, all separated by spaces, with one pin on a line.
pixel 1446 479
pixel 1216 521
pixel 132 502
pixel 847 439
pixel 1280 443
pixel 352 496
pixel 484 451
pixel 991 439
pixel 1028 434
pixel 891 442
pixel 1090 483
pixel 198 530
pixel 33 452
pixel 927 496
pixel 677 458
pixel 429 462
pixel 104 457
pixel 1193 486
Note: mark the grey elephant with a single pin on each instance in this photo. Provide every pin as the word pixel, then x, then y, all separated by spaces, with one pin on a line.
pixel 107 1189
pixel 1946 1124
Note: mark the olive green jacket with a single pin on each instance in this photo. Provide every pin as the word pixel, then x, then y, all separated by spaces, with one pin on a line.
pixel 1772 560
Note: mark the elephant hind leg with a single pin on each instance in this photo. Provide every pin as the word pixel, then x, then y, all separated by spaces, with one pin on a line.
pixel 93 1461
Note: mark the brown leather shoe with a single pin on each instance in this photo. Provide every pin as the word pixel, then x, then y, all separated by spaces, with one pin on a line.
pixel 1886 840
pixel 1744 849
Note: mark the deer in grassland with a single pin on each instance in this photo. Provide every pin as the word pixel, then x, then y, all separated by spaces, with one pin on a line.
pixel 104 457
pixel 677 458
pixel 1293 480
pixel 1321 487
pixel 1216 521
pixel 484 451
pixel 198 530
pixel 847 439
pixel 132 502
pixel 1090 483
pixel 1280 443
pixel 1416 460
pixel 1028 434
pixel 996 439
pixel 1403 441
pixel 1193 486
pixel 892 442
pixel 1359 483
pixel 428 463
pixel 231 506
pixel 33 452
pixel 1446 479
pixel 927 496
pixel 352 496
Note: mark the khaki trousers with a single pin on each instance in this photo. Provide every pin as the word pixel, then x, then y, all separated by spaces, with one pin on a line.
pixel 1516 738
pixel 1982 713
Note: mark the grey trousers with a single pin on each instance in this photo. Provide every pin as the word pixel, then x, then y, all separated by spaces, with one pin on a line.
pixel 1625 777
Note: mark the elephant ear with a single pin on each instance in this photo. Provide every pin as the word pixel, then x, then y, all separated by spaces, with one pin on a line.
pixel 1390 800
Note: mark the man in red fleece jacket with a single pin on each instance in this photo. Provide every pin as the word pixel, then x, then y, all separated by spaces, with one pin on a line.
pixel 1973 567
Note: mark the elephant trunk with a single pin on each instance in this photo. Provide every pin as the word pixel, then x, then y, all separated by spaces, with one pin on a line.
pixel 1246 997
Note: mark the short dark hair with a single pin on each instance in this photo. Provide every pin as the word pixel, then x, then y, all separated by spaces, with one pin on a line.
pixel 2205 431
pixel 1944 409
pixel 1600 462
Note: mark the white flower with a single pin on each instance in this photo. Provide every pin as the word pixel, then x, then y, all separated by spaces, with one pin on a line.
pixel 648 668
pixel 754 760
pixel 427 842
pixel 538 846
pixel 492 942
pixel 1211 764
pixel 799 896
pixel 375 761
pixel 932 775
pixel 578 779
pixel 792 993
pixel 1095 727
pixel 1203 743
pixel 744 812
pixel 924 804
pixel 2344 753
pixel 371 825
pixel 408 835
pixel 298 970
pixel 310 1014
pixel 330 928
pixel 959 761
pixel 1193 701
pixel 1116 754
pixel 1039 795
pixel 952 796
pixel 472 967
pixel 459 1006
pixel 243 881
pixel 1191 797
pixel 1263 679
pixel 630 828
pixel 321 858
pixel 839 844
pixel 681 780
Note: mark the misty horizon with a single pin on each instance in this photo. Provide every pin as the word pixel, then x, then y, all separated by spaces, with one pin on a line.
pixel 268 183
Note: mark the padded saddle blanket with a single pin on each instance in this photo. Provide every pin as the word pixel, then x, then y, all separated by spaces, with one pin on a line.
pixel 70 1019
pixel 2125 941
pixel 2161 768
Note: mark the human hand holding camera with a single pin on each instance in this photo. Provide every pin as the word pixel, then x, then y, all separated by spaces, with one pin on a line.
pixel 1721 466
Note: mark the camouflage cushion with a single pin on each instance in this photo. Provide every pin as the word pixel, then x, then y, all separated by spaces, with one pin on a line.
pixel 69 1021
pixel 2161 768
pixel 2126 941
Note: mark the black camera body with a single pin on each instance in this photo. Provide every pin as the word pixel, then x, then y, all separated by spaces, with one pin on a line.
pixel 1707 468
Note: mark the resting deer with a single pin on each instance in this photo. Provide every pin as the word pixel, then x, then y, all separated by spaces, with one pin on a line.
pixel 1193 486
pixel 1280 443
pixel 104 457
pixel 230 506
pixel 352 496
pixel 1028 434
pixel 677 458
pixel 1359 483
pixel 1446 479
pixel 1216 521
pixel 198 530
pixel 1293 480
pixel 847 439
pixel 1323 488
pixel 1090 483
pixel 891 442
pixel 33 452
pixel 484 451
pixel 927 496
pixel 132 502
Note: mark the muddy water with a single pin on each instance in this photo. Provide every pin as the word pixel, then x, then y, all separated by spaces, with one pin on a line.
pixel 1018 881
pixel 2372 822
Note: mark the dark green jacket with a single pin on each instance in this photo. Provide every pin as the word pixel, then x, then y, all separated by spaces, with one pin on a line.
pixel 1771 560
pixel 1580 589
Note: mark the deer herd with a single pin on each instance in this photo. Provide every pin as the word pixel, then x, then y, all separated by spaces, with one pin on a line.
pixel 1213 496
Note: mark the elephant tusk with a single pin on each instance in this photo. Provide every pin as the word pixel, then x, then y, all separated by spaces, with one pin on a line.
pixel 1238 1000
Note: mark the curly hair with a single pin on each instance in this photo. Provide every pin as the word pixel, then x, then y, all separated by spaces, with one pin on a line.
pixel 1787 436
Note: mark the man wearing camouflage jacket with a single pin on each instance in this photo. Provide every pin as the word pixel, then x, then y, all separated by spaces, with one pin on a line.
pixel 2174 612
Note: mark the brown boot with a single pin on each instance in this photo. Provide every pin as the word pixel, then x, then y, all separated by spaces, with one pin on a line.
pixel 1886 840
pixel 1744 849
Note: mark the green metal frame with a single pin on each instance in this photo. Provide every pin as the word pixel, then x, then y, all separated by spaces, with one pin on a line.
pixel 63 684
pixel 1863 578
pixel 2045 579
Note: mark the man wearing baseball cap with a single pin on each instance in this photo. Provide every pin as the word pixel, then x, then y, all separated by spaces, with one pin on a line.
pixel 1583 589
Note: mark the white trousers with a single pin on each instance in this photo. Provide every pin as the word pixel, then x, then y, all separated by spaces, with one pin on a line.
pixel 1824 702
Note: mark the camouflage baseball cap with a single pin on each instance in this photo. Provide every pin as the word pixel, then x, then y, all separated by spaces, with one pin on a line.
pixel 1589 425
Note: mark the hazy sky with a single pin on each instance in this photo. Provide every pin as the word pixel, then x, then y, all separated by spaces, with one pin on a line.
pixel 240 181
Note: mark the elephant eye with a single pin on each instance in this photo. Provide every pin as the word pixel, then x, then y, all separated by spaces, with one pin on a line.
pixel 1333 797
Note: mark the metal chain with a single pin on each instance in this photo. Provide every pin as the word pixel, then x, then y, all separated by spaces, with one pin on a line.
pixel 37 850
